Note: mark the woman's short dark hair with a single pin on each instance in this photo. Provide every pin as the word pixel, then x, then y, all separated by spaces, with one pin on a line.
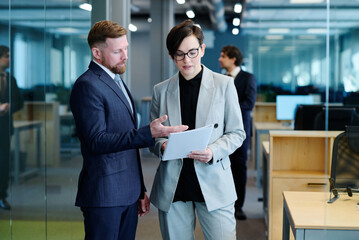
pixel 103 30
pixel 233 52
pixel 180 32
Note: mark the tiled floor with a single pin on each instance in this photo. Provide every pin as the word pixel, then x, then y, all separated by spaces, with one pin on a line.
pixel 60 185
pixel 251 229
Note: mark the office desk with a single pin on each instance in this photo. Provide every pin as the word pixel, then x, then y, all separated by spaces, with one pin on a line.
pixel 22 126
pixel 298 161
pixel 312 218
pixel 67 130
pixel 261 128
pixel 265 146
pixel 47 112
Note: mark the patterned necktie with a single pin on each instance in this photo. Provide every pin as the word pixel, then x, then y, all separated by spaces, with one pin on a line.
pixel 120 83
pixel 3 84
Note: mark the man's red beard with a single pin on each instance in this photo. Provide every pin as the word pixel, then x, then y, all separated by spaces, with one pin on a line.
pixel 115 69
pixel 118 70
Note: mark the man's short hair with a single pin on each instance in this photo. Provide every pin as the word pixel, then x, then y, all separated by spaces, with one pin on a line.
pixel 3 50
pixel 180 32
pixel 233 52
pixel 102 30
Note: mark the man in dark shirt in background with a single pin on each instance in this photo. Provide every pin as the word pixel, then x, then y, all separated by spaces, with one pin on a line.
pixel 10 102
pixel 231 59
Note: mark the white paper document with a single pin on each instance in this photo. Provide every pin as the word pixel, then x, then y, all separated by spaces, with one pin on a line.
pixel 181 144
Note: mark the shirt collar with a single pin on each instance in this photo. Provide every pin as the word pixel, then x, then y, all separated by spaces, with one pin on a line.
pixel 235 71
pixel 108 71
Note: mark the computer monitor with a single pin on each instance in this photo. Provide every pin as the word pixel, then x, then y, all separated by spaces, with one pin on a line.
pixel 305 116
pixel 286 105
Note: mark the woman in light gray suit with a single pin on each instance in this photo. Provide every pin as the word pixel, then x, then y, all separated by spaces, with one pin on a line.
pixel 203 182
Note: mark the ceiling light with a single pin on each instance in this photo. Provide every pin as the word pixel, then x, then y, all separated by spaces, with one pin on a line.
pixel 190 14
pixel 306 1
pixel 86 6
pixel 274 37
pixel 307 37
pixel 317 30
pixel 67 30
pixel 238 8
pixel 236 21
pixel 181 1
pixel 289 48
pixel 278 30
pixel 235 31
pixel 132 27
pixel 263 49
pixel 149 20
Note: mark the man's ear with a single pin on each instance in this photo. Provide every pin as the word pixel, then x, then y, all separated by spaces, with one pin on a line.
pixel 96 53
pixel 233 60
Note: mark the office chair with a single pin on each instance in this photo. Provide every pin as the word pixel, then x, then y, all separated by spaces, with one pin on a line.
pixel 338 118
pixel 305 115
pixel 352 99
pixel 344 175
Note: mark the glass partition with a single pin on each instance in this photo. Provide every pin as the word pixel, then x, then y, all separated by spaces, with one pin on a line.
pixel 291 46
pixel 48 51
pixel 301 48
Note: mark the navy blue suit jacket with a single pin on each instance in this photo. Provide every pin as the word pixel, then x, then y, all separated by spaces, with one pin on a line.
pixel 111 174
pixel 246 86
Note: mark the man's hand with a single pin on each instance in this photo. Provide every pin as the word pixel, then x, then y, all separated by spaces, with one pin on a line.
pixel 143 206
pixel 202 156
pixel 4 108
pixel 158 130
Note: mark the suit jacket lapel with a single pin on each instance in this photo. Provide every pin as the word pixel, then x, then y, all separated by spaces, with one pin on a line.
pixel 173 102
pixel 205 98
pixel 103 76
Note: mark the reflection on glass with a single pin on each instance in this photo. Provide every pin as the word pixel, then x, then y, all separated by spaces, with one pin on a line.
pixel 10 102
pixel 48 52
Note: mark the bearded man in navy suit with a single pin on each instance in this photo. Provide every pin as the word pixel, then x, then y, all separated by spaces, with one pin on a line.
pixel 111 191
pixel 231 59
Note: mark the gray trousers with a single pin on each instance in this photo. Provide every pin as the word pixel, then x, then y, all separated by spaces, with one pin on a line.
pixel 180 221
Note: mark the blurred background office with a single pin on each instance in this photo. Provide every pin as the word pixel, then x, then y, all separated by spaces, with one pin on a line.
pixel 292 46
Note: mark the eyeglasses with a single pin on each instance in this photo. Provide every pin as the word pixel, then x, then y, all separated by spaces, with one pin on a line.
pixel 179 55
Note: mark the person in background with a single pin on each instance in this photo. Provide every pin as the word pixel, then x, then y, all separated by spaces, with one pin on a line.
pixel 231 60
pixel 202 183
pixel 10 102
pixel 111 191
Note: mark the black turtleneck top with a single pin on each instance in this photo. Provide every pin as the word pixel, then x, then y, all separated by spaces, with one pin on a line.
pixel 188 188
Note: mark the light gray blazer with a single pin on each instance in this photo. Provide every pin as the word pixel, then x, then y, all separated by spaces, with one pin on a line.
pixel 217 104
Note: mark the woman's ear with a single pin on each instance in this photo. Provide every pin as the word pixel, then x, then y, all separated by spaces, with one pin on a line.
pixel 203 47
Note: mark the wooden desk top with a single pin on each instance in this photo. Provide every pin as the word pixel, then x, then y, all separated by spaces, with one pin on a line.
pixel 304 133
pixel 146 99
pixel 20 124
pixel 265 104
pixel 272 125
pixel 266 146
pixel 310 210
pixel 66 115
